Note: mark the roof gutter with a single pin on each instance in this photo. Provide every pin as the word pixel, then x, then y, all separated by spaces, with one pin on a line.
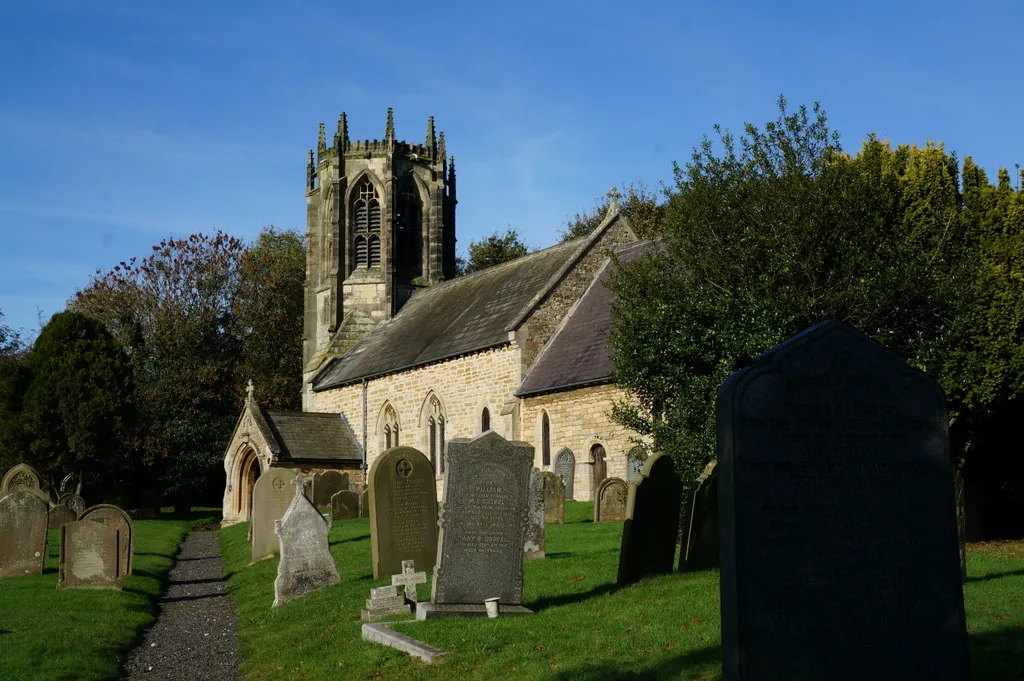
pixel 563 388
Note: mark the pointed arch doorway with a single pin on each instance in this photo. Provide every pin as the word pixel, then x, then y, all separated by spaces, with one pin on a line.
pixel 248 473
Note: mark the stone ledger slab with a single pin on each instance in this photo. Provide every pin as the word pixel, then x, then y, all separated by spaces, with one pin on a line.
pixel 651 527
pixel 384 635
pixel 23 520
pixel 838 529
pixel 114 517
pixel 306 563
pixel 271 496
pixel 90 556
pixel 533 546
pixel 403 515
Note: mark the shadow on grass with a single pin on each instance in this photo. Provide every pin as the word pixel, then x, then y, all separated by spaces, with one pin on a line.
pixel 996 575
pixel 361 537
pixel 558 554
pixel 567 599
pixel 669 669
pixel 997 655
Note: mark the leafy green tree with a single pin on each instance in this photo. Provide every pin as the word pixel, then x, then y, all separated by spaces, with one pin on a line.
pixel 636 202
pixel 493 250
pixel 268 309
pixel 14 381
pixel 78 410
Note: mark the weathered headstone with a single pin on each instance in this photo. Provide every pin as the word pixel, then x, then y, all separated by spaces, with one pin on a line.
pixel 700 536
pixel 89 556
pixel 409 579
pixel 364 503
pixel 483 523
pixel 23 518
pixel 74 502
pixel 839 543
pixel 326 484
pixel 554 499
pixel 403 510
pixel 271 496
pixel 344 505
pixel 533 544
pixel 114 517
pixel 385 602
pixel 24 478
pixel 59 516
pixel 306 563
pixel 565 467
pixel 610 500
pixel 635 463
pixel 651 526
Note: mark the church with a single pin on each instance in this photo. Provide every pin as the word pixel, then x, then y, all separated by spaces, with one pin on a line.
pixel 398 350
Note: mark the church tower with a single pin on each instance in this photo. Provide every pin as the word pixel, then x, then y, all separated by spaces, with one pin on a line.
pixel 380 222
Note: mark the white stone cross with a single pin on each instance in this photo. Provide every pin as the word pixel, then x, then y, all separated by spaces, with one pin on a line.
pixel 409 579
pixel 249 388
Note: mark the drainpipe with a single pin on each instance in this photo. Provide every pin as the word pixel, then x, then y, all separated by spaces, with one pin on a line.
pixel 364 433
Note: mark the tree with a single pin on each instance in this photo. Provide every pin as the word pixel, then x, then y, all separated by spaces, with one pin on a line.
pixel 494 250
pixel 14 381
pixel 636 202
pixel 78 410
pixel 268 309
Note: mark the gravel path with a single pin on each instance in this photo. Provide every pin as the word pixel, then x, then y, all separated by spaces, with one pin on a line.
pixel 194 633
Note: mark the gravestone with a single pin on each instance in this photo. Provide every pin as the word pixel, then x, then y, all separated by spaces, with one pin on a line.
pixel 344 505
pixel 23 518
pixel 306 563
pixel 700 537
pixel 74 502
pixel 483 522
pixel 114 517
pixel 89 556
pixel 24 478
pixel 364 503
pixel 565 467
pixel 651 527
pixel 271 496
pixel 838 532
pixel 610 500
pixel 533 543
pixel 403 510
pixel 385 602
pixel 635 463
pixel 554 499
pixel 409 579
pixel 326 484
pixel 59 516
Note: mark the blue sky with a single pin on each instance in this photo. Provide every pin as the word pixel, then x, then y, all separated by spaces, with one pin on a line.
pixel 123 123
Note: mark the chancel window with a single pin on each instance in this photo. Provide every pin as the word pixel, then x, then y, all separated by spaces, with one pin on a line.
pixel 366 225
pixel 545 438
pixel 435 434
pixel 389 434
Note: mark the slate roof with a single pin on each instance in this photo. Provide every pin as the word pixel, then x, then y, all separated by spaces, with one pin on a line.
pixel 308 436
pixel 457 317
pixel 579 354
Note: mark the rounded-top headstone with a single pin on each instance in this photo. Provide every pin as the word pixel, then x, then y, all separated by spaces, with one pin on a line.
pixel 565 467
pixel 74 502
pixel 23 520
pixel 402 498
pixel 610 500
pixel 651 527
pixel 271 496
pixel 117 518
pixel 23 477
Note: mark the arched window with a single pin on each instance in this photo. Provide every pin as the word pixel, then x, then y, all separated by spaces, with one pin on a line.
pixel 389 430
pixel 485 420
pixel 408 227
pixel 545 438
pixel 366 224
pixel 435 433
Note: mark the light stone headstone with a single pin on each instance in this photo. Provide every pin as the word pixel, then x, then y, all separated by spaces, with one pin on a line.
pixel 89 556
pixel 700 548
pixel 306 563
pixel 364 503
pixel 651 527
pixel 74 502
pixel 345 505
pixel 409 579
pixel 533 544
pixel 554 499
pixel 271 496
pixel 483 523
pixel 24 478
pixel 23 519
pixel 114 517
pixel 838 536
pixel 565 467
pixel 326 484
pixel 610 500
pixel 403 510
pixel 385 602
pixel 59 516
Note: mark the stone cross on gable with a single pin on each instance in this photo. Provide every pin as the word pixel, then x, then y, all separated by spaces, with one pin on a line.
pixel 409 579
pixel 249 388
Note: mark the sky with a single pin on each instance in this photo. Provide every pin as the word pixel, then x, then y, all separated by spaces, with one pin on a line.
pixel 123 123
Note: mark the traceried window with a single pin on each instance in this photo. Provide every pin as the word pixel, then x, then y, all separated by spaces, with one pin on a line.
pixel 435 434
pixel 366 225
pixel 389 433
pixel 545 438
pixel 485 420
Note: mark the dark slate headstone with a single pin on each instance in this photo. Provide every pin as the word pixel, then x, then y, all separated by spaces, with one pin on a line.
pixel 651 526
pixel 565 467
pixel 344 505
pixel 59 516
pixel 271 496
pixel 306 563
pixel 554 499
pixel 90 556
pixel 700 536
pixel 483 522
pixel 403 510
pixel 23 518
pixel 114 517
pixel 533 543
pixel 326 484
pixel 610 500
pixel 838 532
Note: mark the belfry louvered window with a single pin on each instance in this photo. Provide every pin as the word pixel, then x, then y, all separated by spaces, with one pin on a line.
pixel 366 225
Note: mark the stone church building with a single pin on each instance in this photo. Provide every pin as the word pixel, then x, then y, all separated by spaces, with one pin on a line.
pixel 400 351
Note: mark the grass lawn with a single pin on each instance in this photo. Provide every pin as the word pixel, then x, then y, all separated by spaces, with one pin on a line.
pixel 83 634
pixel 585 629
